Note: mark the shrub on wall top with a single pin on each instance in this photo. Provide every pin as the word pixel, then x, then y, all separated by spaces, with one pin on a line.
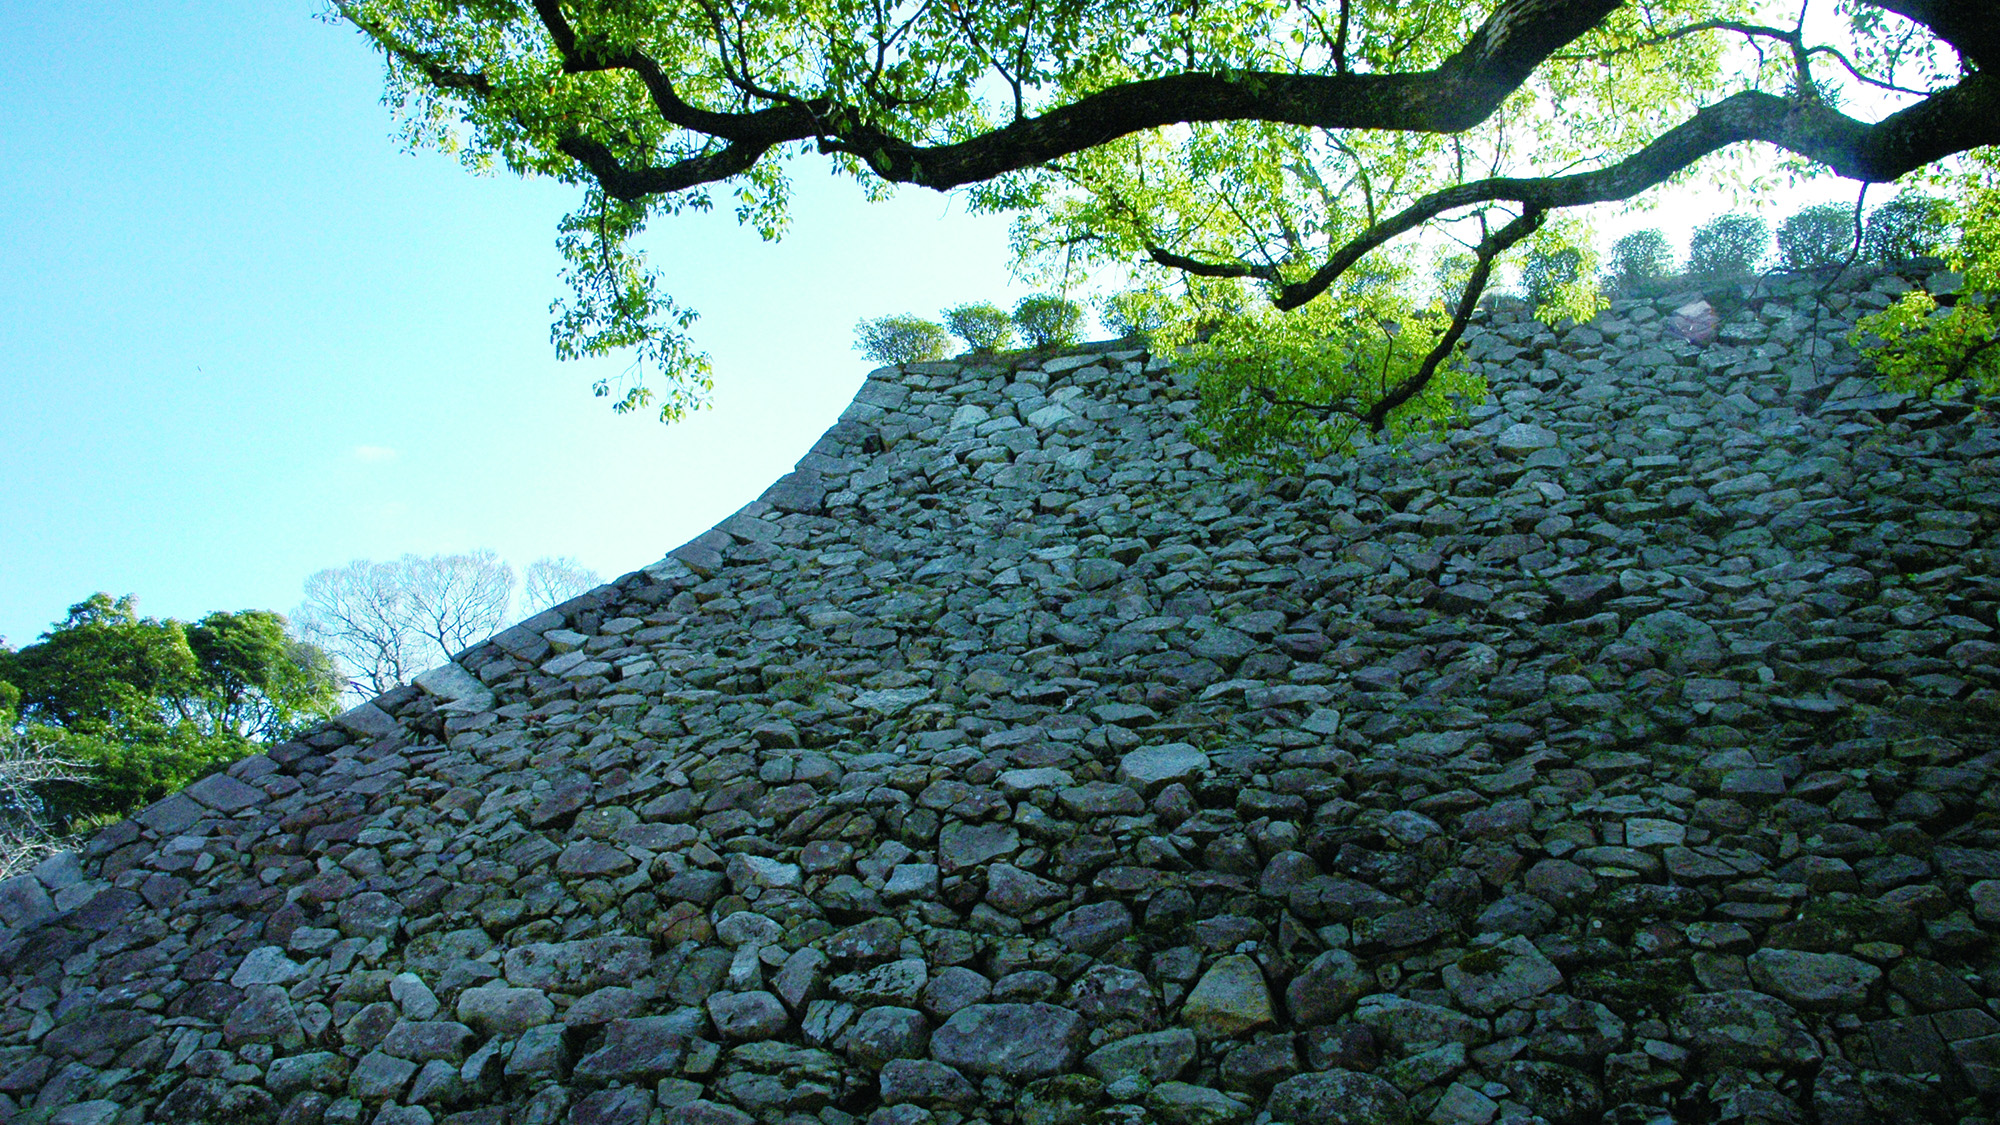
pixel 1048 321
pixel 1135 312
pixel 983 325
pixel 1728 245
pixel 1637 258
pixel 1911 225
pixel 1817 236
pixel 900 339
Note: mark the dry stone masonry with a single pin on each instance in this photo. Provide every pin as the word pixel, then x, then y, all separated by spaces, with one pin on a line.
pixel 1626 757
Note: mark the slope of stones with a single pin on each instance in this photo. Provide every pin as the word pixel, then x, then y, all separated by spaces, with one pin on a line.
pixel 1626 757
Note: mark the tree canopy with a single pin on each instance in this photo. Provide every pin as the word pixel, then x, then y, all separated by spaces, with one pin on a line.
pixel 1249 156
pixel 144 705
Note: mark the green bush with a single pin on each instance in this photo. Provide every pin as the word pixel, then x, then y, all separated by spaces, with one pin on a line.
pixel 1817 236
pixel 1638 258
pixel 984 326
pixel 1728 245
pixel 1049 321
pixel 123 775
pixel 901 339
pixel 1912 225
pixel 1548 272
pixel 1135 312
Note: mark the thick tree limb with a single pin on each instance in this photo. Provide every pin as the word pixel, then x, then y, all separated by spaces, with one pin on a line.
pixel 793 120
pixel 1454 96
pixel 619 183
pixel 1200 268
pixel 1458 94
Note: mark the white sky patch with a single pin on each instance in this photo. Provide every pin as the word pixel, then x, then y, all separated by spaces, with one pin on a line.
pixel 374 454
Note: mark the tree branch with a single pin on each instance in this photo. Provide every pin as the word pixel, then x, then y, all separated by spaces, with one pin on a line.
pixel 1752 31
pixel 1489 248
pixel 622 183
pixel 1965 116
pixel 1200 268
pixel 791 120
pixel 435 71
pixel 1456 95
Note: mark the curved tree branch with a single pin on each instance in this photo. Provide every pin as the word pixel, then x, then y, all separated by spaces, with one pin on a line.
pixel 622 184
pixel 1489 248
pixel 1199 268
pixel 433 69
pixel 1456 95
pixel 1965 116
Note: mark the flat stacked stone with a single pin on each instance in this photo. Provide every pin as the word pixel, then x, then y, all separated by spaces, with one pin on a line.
pixel 1625 756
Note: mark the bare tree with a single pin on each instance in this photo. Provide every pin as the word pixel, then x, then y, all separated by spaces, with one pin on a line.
pixel 386 621
pixel 551 581
pixel 27 762
pixel 357 613
pixel 457 601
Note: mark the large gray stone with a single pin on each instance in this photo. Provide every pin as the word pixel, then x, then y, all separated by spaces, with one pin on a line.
pixel 1149 768
pixel 1498 976
pixel 1738 1027
pixel 1230 999
pixel 1347 1096
pixel 635 1050
pixel 1015 1041
pixel 506 1012
pixel 1681 642
pixel 747 1016
pixel 1327 987
pixel 1524 438
pixel 1157 1056
pixel 1819 981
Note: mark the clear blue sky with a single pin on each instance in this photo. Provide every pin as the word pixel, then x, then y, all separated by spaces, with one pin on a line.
pixel 243 336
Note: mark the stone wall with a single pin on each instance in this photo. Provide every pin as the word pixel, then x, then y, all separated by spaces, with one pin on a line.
pixel 1626 757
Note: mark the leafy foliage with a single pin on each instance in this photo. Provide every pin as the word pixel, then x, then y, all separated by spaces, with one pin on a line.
pixel 1548 272
pixel 1817 236
pixel 615 305
pixel 1226 151
pixel 901 339
pixel 140 706
pixel 1912 225
pixel 1948 345
pixel 1449 273
pixel 1136 312
pixel 1280 390
pixel 119 772
pixel 1638 258
pixel 984 326
pixel 1560 274
pixel 1728 246
pixel 1049 321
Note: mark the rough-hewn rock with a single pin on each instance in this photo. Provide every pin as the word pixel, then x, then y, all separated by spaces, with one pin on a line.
pixel 1628 755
